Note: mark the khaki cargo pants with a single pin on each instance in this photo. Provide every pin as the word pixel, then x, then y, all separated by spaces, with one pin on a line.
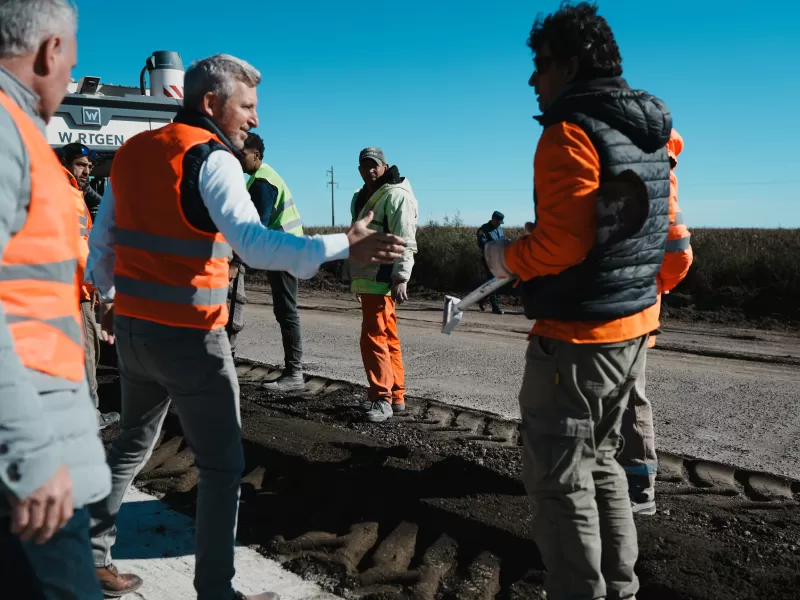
pixel 638 453
pixel 572 400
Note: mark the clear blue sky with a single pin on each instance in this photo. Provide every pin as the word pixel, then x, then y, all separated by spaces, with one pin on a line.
pixel 442 88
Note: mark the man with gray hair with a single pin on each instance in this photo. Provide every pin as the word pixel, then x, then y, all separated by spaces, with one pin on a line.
pixel 159 255
pixel 51 459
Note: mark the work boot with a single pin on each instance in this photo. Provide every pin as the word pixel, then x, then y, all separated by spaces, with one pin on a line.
pixel 293 382
pixel 263 596
pixel 399 407
pixel 646 508
pixel 496 310
pixel 380 412
pixel 116 584
pixel 482 305
pixel 104 420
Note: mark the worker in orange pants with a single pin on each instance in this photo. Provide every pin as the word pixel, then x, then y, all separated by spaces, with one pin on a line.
pixel 380 351
pixel 380 287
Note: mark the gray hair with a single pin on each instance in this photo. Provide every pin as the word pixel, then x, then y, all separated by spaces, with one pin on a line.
pixel 24 24
pixel 216 74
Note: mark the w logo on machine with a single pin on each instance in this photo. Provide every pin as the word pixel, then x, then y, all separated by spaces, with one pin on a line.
pixel 92 116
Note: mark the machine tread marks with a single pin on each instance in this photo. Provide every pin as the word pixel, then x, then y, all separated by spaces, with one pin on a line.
pixel 400 560
pixel 700 476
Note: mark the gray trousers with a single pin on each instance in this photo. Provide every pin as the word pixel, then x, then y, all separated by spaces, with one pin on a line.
pixel 284 288
pixel 572 400
pixel 91 348
pixel 638 455
pixel 194 369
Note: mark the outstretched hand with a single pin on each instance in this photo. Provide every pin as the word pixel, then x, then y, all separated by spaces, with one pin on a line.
pixel 369 246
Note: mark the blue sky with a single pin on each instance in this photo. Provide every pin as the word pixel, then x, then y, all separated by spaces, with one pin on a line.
pixel 442 88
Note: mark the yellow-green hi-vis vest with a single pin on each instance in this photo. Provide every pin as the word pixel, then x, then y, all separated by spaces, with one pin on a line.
pixel 285 216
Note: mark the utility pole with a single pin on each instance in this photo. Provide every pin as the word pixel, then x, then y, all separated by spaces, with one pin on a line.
pixel 332 183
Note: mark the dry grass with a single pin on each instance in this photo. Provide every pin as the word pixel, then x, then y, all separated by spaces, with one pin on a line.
pixel 749 273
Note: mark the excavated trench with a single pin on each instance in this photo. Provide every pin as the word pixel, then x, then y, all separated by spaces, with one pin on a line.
pixel 429 505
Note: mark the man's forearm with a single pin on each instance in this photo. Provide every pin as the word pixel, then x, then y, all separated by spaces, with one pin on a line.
pixel 102 256
pixel 229 205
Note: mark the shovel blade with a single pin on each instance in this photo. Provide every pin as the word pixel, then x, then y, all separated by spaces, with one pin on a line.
pixel 451 315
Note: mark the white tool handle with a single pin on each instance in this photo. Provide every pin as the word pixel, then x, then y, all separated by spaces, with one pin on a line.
pixel 481 293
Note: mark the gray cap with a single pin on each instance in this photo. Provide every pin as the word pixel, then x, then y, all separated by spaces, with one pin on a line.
pixel 374 153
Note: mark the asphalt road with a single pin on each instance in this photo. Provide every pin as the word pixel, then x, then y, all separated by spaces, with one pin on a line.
pixel 742 411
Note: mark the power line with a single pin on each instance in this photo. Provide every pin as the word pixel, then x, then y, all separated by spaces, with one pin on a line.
pixel 333 184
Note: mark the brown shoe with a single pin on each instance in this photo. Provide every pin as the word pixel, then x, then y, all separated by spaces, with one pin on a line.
pixel 116 584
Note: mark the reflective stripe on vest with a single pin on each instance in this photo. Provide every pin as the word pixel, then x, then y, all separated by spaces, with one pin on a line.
pixel 284 216
pixel 166 271
pixel 170 293
pixel 58 272
pixel 84 223
pixel 151 242
pixel 679 244
pixel 66 325
pixel 38 283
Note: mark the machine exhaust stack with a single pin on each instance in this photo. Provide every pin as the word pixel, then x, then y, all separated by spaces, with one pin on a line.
pixel 166 75
pixel 454 307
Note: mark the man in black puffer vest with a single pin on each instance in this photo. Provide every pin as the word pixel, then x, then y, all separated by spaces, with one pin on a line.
pixel 588 269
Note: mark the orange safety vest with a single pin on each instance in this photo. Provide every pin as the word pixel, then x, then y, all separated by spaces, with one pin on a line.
pixel 85 224
pixel 167 270
pixel 38 284
pixel 679 255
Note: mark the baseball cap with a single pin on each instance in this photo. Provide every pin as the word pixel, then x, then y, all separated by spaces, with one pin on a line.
pixel 498 215
pixel 374 153
pixel 70 152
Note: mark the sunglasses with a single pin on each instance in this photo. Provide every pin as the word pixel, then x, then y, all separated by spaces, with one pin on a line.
pixel 543 63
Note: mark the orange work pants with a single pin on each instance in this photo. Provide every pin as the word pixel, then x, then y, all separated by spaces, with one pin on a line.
pixel 380 349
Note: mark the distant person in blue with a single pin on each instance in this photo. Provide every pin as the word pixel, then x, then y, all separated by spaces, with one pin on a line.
pixel 491 232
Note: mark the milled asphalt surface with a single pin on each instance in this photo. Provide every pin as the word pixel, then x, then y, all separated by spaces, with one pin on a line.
pixel 740 412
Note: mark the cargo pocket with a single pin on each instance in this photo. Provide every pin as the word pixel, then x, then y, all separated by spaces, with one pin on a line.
pixel 553 449
pixel 540 378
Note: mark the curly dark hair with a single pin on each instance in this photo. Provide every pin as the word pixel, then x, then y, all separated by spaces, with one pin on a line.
pixel 254 142
pixel 578 31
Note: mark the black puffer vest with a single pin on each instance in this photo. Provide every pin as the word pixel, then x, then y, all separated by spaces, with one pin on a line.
pixel 629 130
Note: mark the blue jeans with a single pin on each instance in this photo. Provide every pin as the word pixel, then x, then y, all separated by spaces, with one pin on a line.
pixel 61 569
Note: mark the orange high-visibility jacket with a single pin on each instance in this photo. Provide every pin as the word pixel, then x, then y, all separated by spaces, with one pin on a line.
pixel 166 270
pixel 85 224
pixel 38 283
pixel 567 176
pixel 679 255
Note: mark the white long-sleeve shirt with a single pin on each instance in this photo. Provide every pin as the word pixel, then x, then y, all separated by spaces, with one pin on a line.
pixel 225 195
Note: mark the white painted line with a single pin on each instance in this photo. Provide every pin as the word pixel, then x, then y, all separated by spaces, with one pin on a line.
pixel 157 544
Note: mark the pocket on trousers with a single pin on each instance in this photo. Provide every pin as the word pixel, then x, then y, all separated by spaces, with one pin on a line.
pixel 189 361
pixel 541 378
pixel 553 450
